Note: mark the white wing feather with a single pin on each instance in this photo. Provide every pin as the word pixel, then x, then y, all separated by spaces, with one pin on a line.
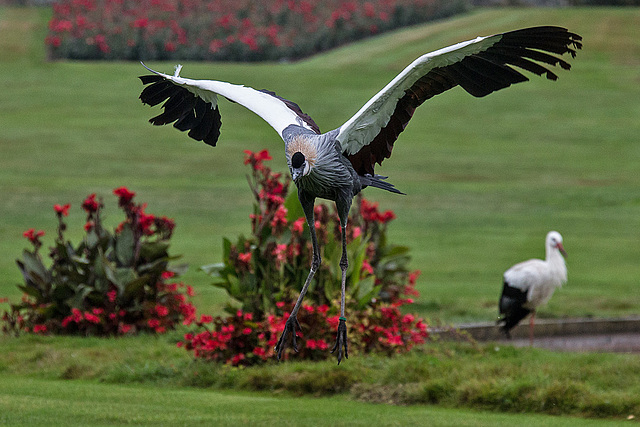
pixel 270 108
pixel 363 127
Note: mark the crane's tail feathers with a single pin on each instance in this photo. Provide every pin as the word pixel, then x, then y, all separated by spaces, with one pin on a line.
pixel 377 181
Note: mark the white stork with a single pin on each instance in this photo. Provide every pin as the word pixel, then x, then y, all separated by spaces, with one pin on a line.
pixel 530 284
pixel 338 164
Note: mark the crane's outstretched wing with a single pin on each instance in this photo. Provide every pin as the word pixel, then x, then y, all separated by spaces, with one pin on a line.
pixel 193 105
pixel 479 66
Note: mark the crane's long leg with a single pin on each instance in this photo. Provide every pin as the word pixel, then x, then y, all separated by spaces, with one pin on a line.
pixel 341 338
pixel 292 325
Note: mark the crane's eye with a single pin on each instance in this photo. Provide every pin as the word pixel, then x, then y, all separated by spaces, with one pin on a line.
pixel 297 160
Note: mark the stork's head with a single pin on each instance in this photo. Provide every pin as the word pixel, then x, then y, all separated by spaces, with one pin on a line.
pixel 299 166
pixel 554 240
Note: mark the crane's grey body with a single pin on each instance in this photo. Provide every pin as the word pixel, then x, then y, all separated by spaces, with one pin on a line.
pixel 338 164
pixel 333 176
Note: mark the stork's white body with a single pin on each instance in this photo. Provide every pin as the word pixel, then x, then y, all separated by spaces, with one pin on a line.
pixel 530 284
pixel 539 278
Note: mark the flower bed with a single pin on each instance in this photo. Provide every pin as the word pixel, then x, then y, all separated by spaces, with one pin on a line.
pixel 109 284
pixel 264 273
pixel 226 30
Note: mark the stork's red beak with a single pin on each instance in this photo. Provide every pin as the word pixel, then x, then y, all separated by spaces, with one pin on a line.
pixel 561 249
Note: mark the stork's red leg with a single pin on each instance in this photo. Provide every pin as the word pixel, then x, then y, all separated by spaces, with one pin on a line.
pixel 532 320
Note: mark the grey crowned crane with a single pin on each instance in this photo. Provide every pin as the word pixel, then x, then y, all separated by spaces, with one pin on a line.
pixel 530 284
pixel 337 164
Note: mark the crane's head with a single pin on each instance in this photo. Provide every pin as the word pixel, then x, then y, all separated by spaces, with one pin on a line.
pixel 299 166
pixel 554 240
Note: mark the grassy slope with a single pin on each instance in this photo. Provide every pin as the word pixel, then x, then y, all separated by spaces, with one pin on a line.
pixel 486 178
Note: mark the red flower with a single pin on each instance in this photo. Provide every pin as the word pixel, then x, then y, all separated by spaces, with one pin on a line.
pixel 366 267
pixel 91 318
pixel 323 309
pixel 298 225
pixel 140 23
pixel 280 252
pixel 145 221
pixel 39 329
pixel 256 159
pixel 125 196
pixel 153 323
pixel 33 236
pixel 205 318
pixel 62 210
pixel 386 217
pixel 237 359
pixel 245 257
pixel 161 310
pixel 90 204
pixel 124 328
pixel 111 295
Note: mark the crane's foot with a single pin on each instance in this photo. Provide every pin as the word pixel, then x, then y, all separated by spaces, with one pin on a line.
pixel 341 340
pixel 290 328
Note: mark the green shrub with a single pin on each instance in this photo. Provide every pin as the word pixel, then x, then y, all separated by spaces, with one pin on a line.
pixel 264 273
pixel 108 284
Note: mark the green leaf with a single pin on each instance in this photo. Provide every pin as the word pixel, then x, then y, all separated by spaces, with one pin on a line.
pixel 135 287
pixel 226 248
pixel 30 290
pixel 77 300
pixel 124 276
pixel 154 250
pixel 62 292
pixel 92 239
pixel 178 269
pixel 213 270
pixel 33 266
pixel 367 297
pixel 294 208
pixel 125 245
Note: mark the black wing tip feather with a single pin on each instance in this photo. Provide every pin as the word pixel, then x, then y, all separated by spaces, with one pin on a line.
pixel 184 109
pixel 511 308
pixel 480 74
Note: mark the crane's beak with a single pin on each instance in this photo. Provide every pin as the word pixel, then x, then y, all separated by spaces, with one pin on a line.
pixel 296 174
pixel 561 249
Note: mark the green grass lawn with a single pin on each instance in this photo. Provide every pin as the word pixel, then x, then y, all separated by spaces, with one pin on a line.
pixel 146 379
pixel 49 403
pixel 486 178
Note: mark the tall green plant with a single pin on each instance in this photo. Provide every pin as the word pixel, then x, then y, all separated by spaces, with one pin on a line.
pixel 109 283
pixel 270 265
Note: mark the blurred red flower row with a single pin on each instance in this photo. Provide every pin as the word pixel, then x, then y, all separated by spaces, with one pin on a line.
pixel 225 30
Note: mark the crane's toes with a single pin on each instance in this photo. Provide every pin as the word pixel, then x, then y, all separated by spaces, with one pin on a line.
pixel 341 341
pixel 290 328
